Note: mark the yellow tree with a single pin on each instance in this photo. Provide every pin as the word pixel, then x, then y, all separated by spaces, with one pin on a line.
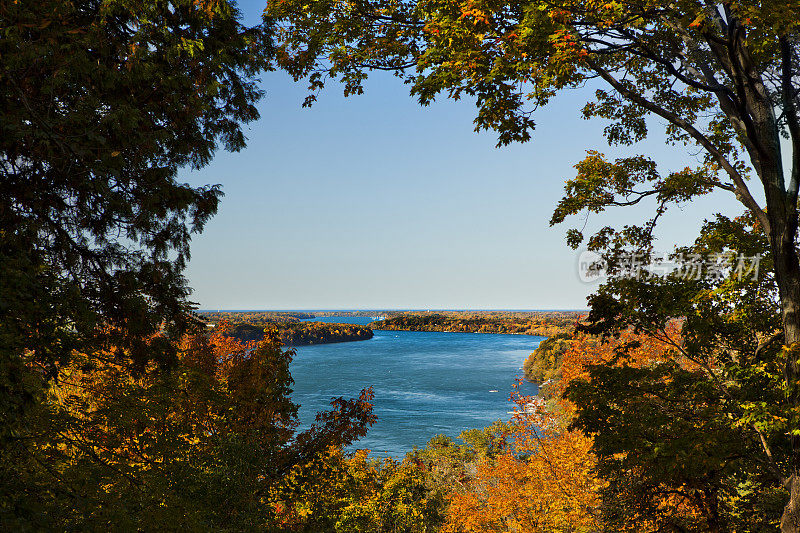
pixel 547 480
pixel 543 482
pixel 207 444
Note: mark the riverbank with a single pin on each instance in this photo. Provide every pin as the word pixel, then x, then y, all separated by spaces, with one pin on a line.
pixel 540 323
pixel 292 334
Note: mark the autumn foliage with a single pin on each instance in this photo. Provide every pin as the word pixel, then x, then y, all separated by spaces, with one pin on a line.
pixel 209 443
pixel 547 478
pixel 544 483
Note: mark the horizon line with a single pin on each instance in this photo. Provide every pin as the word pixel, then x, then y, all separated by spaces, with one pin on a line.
pixel 310 309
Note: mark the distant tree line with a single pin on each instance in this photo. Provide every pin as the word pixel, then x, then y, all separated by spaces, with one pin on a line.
pixel 534 323
pixel 301 333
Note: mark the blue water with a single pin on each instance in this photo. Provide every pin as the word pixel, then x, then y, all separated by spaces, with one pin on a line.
pixel 425 383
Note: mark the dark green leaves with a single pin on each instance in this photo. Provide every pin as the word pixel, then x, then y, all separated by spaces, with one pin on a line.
pixel 102 103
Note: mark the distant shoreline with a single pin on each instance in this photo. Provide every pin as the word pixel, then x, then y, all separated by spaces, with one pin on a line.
pixel 468 332
pixel 539 324
pixel 330 312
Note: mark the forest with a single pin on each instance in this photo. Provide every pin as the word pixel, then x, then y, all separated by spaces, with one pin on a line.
pixel 292 331
pixel 298 333
pixel 673 405
pixel 542 323
pixel 544 363
pixel 287 326
pixel 254 317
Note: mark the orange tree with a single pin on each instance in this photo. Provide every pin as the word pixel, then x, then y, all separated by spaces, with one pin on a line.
pixel 723 78
pixel 209 445
pixel 543 482
pixel 544 478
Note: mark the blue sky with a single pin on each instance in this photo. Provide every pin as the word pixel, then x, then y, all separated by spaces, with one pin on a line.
pixel 375 202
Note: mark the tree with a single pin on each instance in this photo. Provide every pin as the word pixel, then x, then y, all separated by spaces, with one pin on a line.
pixel 723 76
pixel 549 489
pixel 102 102
pixel 545 361
pixel 708 420
pixel 530 474
pixel 212 444
pixel 354 493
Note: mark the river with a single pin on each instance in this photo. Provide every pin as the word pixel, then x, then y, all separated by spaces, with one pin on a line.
pixel 425 383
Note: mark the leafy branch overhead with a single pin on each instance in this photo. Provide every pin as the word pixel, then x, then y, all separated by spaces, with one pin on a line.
pixel 710 71
pixel 103 103
pixel 601 184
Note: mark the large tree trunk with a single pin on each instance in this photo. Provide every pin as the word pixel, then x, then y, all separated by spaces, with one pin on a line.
pixel 782 213
pixel 760 128
pixel 790 521
pixel 787 272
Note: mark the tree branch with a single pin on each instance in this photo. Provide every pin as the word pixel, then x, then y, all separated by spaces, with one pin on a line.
pixel 742 192
pixel 790 111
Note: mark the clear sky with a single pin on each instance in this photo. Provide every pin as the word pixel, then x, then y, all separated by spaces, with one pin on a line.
pixel 375 202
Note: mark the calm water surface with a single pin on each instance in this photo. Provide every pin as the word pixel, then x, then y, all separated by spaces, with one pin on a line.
pixel 424 383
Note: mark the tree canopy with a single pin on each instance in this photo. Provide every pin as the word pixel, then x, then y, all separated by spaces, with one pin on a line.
pixel 102 103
